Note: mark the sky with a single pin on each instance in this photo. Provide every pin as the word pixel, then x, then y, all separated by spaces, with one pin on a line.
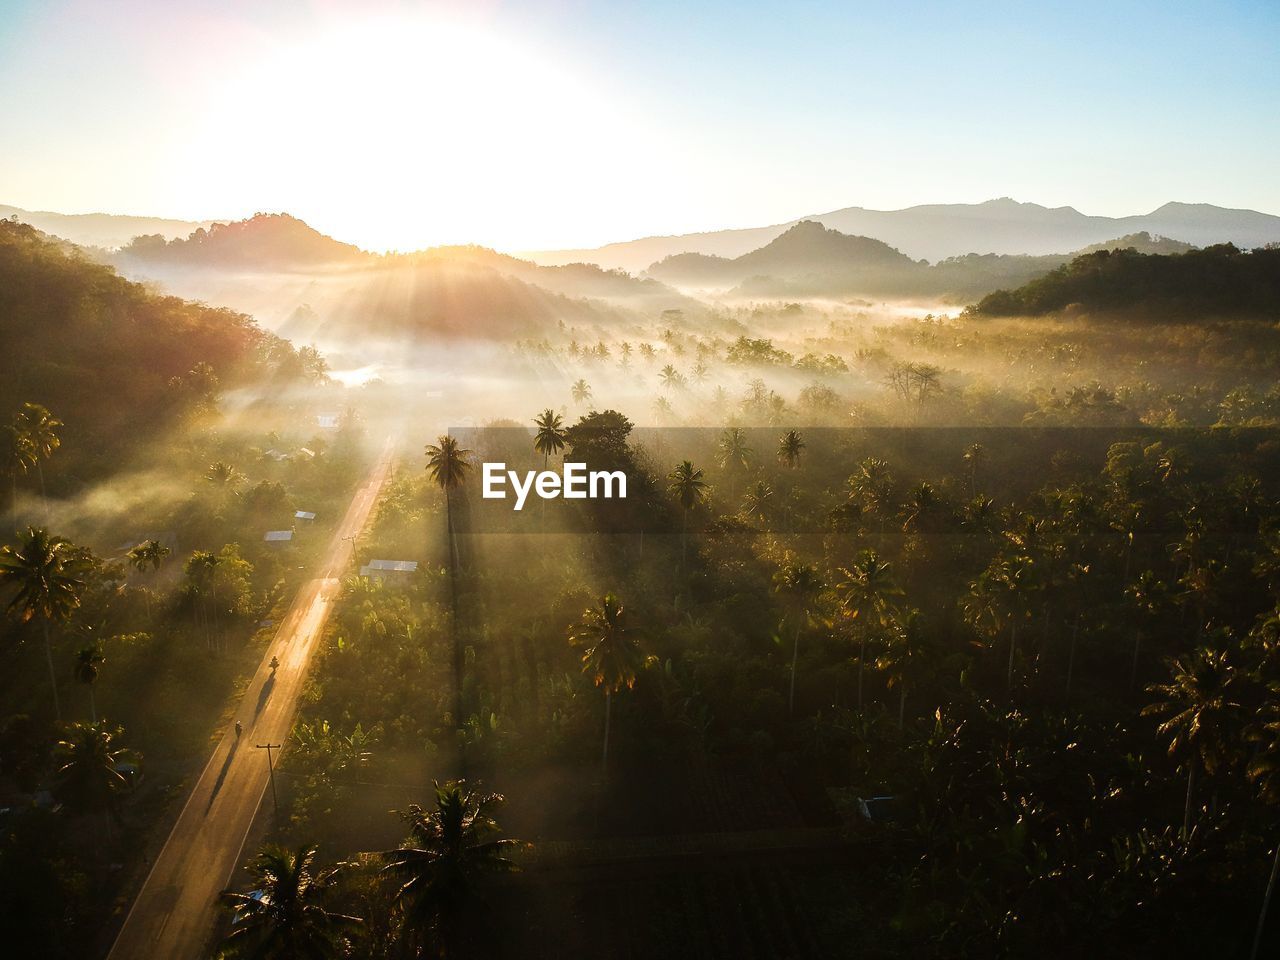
pixel 536 125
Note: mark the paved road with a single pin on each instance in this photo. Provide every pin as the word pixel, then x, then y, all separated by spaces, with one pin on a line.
pixel 172 917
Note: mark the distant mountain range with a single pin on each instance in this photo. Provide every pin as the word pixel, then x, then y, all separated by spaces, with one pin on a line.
pixel 938 231
pixel 106 230
pixel 810 260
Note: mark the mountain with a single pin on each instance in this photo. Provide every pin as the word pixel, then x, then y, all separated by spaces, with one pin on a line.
pixel 110 358
pixel 807 256
pixel 1219 281
pixel 266 241
pixel 810 260
pixel 106 230
pixel 937 231
pixel 312 287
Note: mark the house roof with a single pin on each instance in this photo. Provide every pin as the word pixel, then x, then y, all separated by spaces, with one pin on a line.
pixel 304 515
pixel 275 536
pixel 388 566
pixel 405 565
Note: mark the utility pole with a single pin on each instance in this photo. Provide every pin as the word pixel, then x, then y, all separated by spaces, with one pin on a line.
pixel 271 772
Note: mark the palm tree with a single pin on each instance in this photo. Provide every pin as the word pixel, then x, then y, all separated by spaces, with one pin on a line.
pixel 40 428
pixel 903 657
pixel 671 378
pixel 448 466
pixel 1200 717
pixel 88 776
pixel 550 438
pixel 283 918
pixel 224 476
pixel 581 391
pixel 758 501
pixel 449 849
pixel 690 490
pixel 871 485
pixel 611 655
pixel 88 660
pixel 789 447
pixel 734 455
pixel 799 585
pixel 867 596
pixel 997 596
pixel 975 454
pixel 201 568
pixel 149 553
pixel 45 572
pixel 18 457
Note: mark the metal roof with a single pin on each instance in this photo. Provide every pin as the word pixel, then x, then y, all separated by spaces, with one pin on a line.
pixel 389 566
pixel 278 535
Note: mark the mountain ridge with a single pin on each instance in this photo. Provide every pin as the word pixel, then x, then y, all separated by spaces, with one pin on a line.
pixel 937 231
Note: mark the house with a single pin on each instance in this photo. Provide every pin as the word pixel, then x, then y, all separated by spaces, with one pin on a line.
pixel 304 453
pixel 278 536
pixel 304 515
pixel 275 454
pixel 328 421
pixel 382 569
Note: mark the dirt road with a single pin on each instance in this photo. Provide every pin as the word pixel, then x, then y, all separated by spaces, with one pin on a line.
pixel 173 914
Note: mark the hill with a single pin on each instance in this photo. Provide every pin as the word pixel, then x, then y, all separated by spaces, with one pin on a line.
pixel 109 358
pixel 106 230
pixel 938 231
pixel 810 260
pixel 1219 281
pixel 303 283
pixel 266 241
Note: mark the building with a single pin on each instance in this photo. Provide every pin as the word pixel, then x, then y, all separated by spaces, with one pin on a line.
pixel 383 569
pixel 278 536
pixel 304 515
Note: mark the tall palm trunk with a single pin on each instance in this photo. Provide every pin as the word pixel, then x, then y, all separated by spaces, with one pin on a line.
pixel 608 712
pixel 1266 903
pixel 93 705
pixel 1186 811
pixel 1071 658
pixel 453 611
pixel 862 656
pixel 902 703
pixel 795 656
pixel 1013 645
pixel 1133 669
pixel 53 676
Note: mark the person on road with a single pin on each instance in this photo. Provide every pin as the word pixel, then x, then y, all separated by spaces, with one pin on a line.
pixel 275 662
pixel 239 730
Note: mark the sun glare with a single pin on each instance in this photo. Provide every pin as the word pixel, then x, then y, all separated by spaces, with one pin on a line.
pixel 399 135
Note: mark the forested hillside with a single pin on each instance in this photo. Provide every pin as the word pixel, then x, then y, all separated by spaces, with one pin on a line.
pixel 113 359
pixel 1219 281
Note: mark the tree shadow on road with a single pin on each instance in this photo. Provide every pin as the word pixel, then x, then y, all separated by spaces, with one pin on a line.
pixel 264 694
pixel 222 774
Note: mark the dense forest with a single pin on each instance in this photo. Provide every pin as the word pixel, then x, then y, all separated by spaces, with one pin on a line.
pixel 1219 281
pixel 74 333
pixel 915 635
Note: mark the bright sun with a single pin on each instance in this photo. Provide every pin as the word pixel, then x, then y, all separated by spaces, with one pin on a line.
pixel 394 134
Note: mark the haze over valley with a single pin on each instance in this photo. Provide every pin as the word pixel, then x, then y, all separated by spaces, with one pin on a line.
pixel 899 581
